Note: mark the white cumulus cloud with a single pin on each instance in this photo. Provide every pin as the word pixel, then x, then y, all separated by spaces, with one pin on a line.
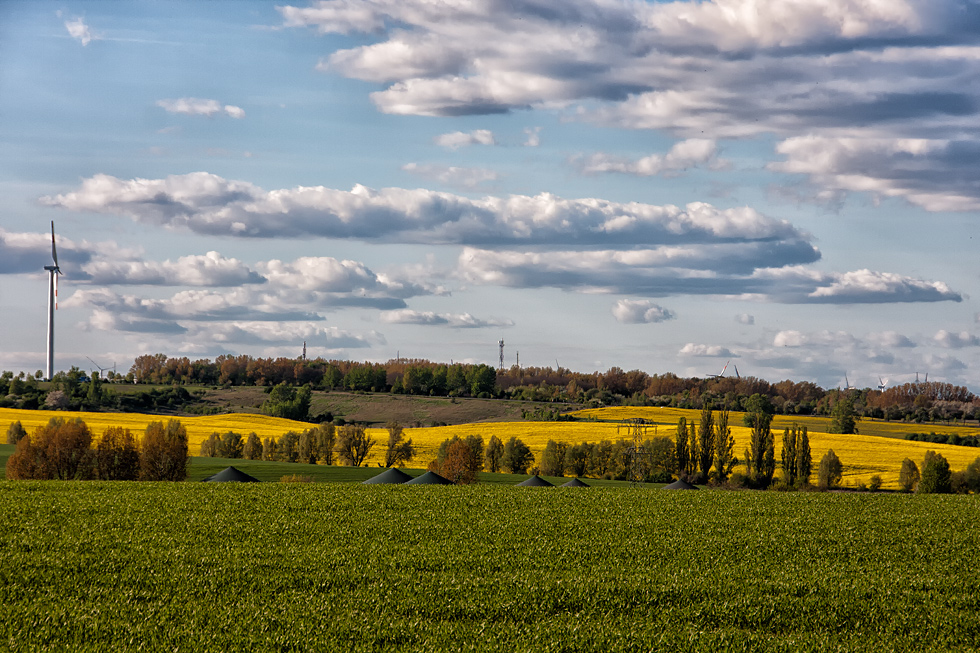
pixel 199 107
pixel 640 311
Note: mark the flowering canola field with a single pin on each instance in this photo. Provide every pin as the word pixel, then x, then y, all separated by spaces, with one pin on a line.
pixel 862 455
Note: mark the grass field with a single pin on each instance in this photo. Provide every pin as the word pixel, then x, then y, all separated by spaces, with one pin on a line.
pixel 863 455
pixel 193 566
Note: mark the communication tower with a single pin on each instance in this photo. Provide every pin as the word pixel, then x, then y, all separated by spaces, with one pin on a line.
pixel 304 350
pixel 501 345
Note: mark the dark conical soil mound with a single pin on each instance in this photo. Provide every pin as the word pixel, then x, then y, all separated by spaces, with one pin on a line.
pixel 575 483
pixel 429 478
pixel 388 476
pixel 679 484
pixel 535 481
pixel 231 475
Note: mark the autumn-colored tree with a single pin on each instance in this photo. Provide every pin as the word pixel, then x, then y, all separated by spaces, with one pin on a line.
pixel 399 450
pixel 117 456
pixel 163 456
pixel 59 450
pixel 26 461
pixel 354 444
pixel 457 466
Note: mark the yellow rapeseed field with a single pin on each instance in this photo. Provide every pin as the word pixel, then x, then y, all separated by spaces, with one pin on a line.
pixel 198 428
pixel 862 455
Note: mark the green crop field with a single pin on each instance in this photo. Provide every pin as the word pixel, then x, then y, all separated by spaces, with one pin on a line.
pixel 193 566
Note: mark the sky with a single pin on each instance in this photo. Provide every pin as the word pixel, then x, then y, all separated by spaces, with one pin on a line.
pixel 789 185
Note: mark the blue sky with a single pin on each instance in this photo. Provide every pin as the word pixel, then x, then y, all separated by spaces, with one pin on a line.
pixel 662 186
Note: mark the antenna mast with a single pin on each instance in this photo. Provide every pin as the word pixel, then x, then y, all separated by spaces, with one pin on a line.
pixel 304 350
pixel 501 345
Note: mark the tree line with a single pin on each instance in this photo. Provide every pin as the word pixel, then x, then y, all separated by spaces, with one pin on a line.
pixel 919 402
pixel 63 450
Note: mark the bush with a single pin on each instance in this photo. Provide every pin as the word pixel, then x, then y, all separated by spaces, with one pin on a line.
pixel 15 433
pixel 296 478
pixel 60 450
pixel 936 476
pixel 908 477
pixel 875 483
pixel 164 456
pixel 830 472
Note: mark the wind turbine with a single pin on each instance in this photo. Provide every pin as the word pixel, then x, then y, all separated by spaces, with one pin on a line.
pixel 53 272
pixel 847 384
pixel 881 384
pixel 718 376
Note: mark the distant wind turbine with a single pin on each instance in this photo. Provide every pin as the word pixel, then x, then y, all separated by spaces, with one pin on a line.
pixel 718 376
pixel 881 384
pixel 53 272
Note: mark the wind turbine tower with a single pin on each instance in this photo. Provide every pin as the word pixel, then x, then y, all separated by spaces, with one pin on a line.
pixel 53 272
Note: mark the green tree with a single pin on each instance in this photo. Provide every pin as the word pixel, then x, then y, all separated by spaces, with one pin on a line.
pixel 163 455
pixel 253 447
pixel 804 459
pixel 693 452
pixel 517 457
pixel 399 450
pixel 830 472
pixel 681 450
pixel 577 459
pixel 757 404
pixel 908 476
pixel 553 459
pixel 326 441
pixel 725 459
pixel 269 449
pixel 209 446
pixel 761 459
pixel 482 380
pixel 789 456
pixel 842 416
pixel 306 447
pixel 971 476
pixel 15 432
pixel 287 448
pixel 287 402
pixel 706 440
pixel 230 445
pixel 495 451
pixel 354 444
pixel 936 475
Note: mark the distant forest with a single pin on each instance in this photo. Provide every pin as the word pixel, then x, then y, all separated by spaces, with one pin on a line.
pixel 920 402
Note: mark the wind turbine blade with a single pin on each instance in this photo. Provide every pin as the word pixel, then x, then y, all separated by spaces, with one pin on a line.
pixel 737 375
pixel 54 250
pixel 724 368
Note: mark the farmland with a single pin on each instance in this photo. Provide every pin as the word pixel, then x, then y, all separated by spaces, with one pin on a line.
pixel 100 566
pixel 863 455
